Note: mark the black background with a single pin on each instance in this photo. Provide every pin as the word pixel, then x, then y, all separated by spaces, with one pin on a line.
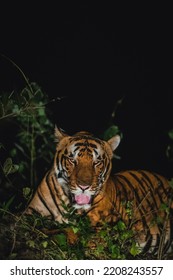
pixel 93 56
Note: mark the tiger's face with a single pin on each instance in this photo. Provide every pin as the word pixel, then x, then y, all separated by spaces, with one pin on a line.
pixel 83 165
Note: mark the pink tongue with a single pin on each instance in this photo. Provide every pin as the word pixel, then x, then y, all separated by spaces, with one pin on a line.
pixel 82 199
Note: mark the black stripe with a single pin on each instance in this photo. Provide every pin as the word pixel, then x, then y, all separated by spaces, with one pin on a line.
pixel 149 185
pixel 77 148
pixel 122 185
pixel 60 161
pixel 34 210
pixel 93 145
pixel 44 203
pixel 107 168
pixel 51 193
pixel 156 247
pixel 128 182
pixel 169 242
pixel 118 200
pixel 85 137
pixel 167 246
pixel 119 191
pixel 147 246
pixel 55 176
pixel 80 144
pixel 94 205
pixel 161 183
pixel 142 187
pixel 63 157
pixel 140 208
pixel 57 205
pixel 59 186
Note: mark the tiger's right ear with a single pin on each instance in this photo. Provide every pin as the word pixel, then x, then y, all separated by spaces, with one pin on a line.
pixel 114 142
pixel 59 134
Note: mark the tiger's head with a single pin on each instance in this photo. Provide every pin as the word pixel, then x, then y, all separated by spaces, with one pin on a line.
pixel 82 165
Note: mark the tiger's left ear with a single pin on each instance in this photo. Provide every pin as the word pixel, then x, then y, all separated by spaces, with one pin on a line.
pixel 114 142
pixel 59 134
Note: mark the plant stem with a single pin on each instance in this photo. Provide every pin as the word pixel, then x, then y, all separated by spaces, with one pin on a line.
pixel 32 156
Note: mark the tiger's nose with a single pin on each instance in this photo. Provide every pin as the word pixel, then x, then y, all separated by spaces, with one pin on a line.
pixel 84 187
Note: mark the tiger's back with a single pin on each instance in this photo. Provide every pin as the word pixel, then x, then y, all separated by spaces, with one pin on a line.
pixel 143 200
pixel 81 178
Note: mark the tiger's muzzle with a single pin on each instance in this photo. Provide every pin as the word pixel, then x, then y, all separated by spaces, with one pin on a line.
pixel 82 197
pixel 85 184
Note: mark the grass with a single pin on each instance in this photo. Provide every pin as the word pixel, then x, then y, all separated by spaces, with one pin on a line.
pixel 35 237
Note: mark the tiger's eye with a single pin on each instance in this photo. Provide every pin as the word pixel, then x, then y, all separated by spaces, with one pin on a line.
pixel 71 160
pixel 97 162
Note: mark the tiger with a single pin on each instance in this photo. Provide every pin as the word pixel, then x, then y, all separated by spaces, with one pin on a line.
pixel 81 178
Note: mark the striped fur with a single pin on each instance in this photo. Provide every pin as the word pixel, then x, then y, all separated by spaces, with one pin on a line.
pixel 80 178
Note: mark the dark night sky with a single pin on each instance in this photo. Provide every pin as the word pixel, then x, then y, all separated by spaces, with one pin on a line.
pixel 93 57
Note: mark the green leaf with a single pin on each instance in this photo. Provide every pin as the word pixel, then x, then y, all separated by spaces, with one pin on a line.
pixel 99 249
pixel 41 111
pixel 26 192
pixel 16 109
pixel 6 205
pixel 115 252
pixel 165 207
pixel 110 132
pixel 121 225
pixel 134 250
pixel 44 244
pixel 30 243
pixel 170 133
pixel 9 167
pixel 103 233
pixel 13 152
pixel 61 239
pixel 75 229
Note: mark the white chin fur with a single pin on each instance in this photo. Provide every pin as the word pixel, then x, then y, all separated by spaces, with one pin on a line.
pixel 82 206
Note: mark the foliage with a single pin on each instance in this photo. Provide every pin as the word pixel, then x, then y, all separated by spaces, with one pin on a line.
pixel 33 124
pixel 112 128
pixel 8 167
pixel 110 132
pixel 36 237
pixel 26 112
